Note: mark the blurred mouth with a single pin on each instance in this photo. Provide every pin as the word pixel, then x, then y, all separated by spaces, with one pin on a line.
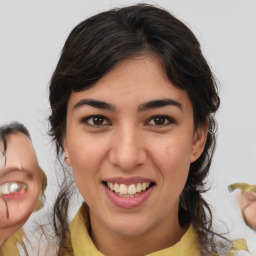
pixel 13 190
pixel 128 193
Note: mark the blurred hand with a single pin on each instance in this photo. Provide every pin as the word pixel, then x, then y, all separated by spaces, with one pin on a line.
pixel 20 184
pixel 248 207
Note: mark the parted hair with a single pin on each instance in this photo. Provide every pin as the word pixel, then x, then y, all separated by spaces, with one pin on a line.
pixel 95 47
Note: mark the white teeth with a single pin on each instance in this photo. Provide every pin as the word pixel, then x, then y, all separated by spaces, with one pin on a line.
pixel 125 195
pixel 128 190
pixel 111 185
pixel 138 187
pixel 123 189
pixel 131 189
pixel 11 187
pixel 116 188
pixel 144 186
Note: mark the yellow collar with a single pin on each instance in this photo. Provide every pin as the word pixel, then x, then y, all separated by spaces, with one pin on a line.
pixel 10 245
pixel 82 244
pixel 243 186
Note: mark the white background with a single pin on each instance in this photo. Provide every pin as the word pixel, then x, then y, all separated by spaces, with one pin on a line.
pixel 32 34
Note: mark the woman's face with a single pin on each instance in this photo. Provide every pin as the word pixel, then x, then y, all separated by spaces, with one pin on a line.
pixel 20 183
pixel 130 140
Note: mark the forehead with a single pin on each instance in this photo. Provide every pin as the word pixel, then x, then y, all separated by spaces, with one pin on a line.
pixel 136 79
pixel 19 142
pixel 19 148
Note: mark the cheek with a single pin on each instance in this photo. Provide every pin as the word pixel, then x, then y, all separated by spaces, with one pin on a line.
pixel 173 156
pixel 86 158
pixel 173 162
pixel 27 205
pixel 86 155
pixel 19 209
pixel 3 212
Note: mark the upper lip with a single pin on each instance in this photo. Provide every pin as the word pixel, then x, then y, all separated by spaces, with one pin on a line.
pixel 128 181
pixel 14 175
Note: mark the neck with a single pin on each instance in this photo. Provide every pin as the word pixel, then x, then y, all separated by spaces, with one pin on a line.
pixel 7 231
pixel 157 238
pixel 4 235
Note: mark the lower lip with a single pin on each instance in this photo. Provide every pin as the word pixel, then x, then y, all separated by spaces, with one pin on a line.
pixel 17 195
pixel 128 202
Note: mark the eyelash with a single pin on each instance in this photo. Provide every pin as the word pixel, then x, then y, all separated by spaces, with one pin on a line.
pixel 163 117
pixel 90 119
pixel 87 120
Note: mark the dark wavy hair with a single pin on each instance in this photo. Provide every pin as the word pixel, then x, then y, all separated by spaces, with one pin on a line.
pixel 95 47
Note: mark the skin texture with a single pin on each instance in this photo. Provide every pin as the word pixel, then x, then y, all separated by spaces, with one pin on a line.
pixel 21 166
pixel 128 144
pixel 248 207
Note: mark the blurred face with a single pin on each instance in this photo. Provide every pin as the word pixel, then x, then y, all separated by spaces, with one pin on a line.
pixel 130 140
pixel 20 183
pixel 248 206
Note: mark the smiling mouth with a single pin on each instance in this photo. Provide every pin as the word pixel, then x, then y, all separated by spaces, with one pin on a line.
pixel 10 190
pixel 132 190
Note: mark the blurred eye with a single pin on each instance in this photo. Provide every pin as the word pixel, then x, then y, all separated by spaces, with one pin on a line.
pixel 96 120
pixel 11 187
pixel 160 120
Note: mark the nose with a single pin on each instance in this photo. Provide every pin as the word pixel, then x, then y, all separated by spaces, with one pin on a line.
pixel 127 150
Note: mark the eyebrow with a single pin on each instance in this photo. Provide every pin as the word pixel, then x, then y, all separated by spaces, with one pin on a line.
pixel 159 103
pixel 95 104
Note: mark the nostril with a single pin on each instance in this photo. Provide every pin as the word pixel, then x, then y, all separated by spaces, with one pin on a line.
pixel 127 159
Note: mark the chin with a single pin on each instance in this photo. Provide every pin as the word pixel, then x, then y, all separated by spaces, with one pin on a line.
pixel 128 228
pixel 130 232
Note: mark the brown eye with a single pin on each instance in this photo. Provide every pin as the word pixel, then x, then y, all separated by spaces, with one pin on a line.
pixel 96 120
pixel 160 121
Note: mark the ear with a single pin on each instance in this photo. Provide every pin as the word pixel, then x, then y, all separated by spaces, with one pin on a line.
pixel 199 141
pixel 66 152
